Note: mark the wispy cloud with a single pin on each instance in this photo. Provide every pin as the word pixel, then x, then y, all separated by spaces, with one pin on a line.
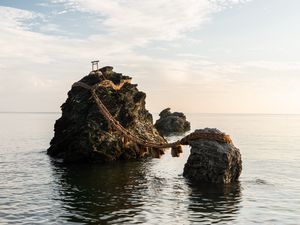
pixel 12 17
pixel 144 21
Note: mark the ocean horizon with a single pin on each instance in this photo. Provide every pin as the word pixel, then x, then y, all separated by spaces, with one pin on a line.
pixel 156 113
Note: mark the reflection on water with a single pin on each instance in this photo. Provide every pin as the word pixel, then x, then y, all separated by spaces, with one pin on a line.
pixel 214 204
pixel 94 193
pixel 132 193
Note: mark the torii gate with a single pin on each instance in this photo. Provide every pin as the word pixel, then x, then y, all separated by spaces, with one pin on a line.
pixel 95 65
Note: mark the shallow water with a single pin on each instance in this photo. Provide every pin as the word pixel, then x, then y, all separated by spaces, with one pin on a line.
pixel 36 190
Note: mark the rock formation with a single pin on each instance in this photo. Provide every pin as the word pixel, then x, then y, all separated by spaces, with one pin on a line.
pixel 212 162
pixel 83 134
pixel 172 123
pixel 104 119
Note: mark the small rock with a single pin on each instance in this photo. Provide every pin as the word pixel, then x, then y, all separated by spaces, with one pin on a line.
pixel 170 123
pixel 212 161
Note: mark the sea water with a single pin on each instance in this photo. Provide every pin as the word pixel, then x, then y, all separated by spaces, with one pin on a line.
pixel 37 190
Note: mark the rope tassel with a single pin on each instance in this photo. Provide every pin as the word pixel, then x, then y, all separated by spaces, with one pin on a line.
pixel 155 153
pixel 176 150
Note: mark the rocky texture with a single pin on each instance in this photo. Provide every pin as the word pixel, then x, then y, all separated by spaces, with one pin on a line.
pixel 213 162
pixel 170 123
pixel 83 134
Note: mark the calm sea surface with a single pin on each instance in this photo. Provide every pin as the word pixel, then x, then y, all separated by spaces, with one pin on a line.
pixel 36 190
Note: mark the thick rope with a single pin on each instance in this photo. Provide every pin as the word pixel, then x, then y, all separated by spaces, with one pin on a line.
pixel 223 138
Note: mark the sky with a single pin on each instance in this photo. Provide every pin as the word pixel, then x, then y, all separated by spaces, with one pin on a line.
pixel 195 56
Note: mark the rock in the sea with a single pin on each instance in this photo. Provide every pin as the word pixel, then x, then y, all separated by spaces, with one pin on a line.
pixel 212 161
pixel 83 134
pixel 172 123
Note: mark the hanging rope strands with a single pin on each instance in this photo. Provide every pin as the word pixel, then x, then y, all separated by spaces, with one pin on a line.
pixel 157 147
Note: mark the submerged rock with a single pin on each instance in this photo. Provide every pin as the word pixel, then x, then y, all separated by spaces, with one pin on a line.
pixel 170 123
pixel 212 161
pixel 83 134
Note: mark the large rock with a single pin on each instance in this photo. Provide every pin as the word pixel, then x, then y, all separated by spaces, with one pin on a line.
pixel 83 134
pixel 212 161
pixel 172 123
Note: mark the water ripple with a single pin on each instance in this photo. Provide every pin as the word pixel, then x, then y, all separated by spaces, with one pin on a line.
pixel 37 190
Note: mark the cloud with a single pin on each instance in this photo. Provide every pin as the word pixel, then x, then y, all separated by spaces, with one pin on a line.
pixel 129 25
pixel 12 17
pixel 149 20
pixel 45 65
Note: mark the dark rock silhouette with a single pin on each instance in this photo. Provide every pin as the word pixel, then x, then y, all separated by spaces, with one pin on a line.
pixel 212 161
pixel 83 134
pixel 172 123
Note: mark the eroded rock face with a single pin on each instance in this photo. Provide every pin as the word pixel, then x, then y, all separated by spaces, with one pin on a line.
pixel 83 134
pixel 172 123
pixel 213 162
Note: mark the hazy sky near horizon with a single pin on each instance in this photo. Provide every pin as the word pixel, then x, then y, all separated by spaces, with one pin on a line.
pixel 214 56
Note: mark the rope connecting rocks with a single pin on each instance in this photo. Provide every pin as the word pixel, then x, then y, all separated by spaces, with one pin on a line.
pixel 176 146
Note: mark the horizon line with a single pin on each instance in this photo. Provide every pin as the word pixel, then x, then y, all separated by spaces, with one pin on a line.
pixel 224 113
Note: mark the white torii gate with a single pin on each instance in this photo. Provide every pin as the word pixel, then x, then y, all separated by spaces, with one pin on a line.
pixel 95 65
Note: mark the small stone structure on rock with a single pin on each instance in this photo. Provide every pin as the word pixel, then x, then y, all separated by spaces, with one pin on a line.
pixel 172 123
pixel 213 162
